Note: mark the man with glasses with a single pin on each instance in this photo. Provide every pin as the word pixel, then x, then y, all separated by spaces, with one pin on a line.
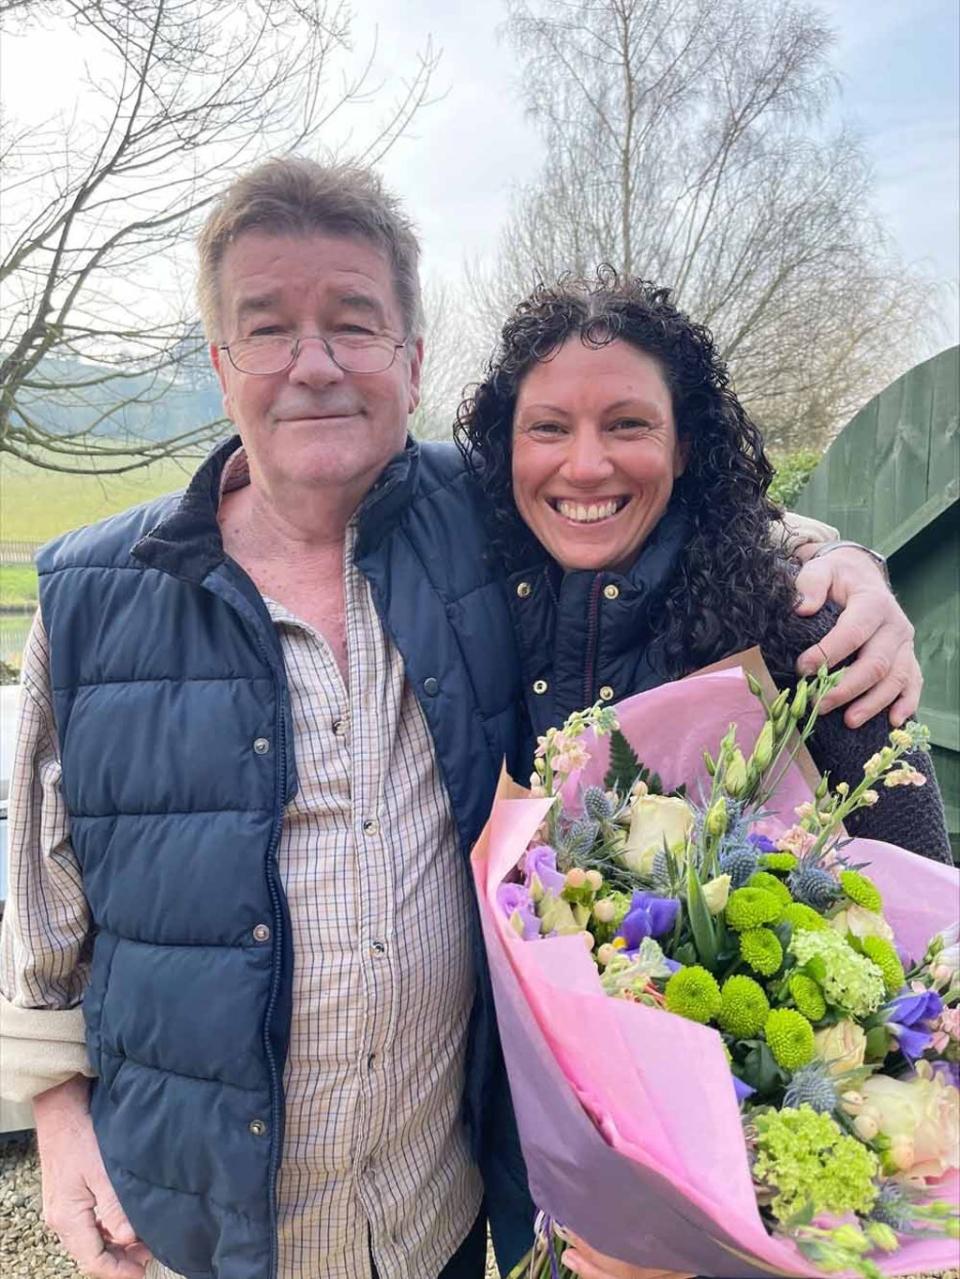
pixel 261 725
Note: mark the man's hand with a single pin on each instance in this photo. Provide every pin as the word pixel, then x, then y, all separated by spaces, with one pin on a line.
pixel 79 1203
pixel 590 1264
pixel 872 625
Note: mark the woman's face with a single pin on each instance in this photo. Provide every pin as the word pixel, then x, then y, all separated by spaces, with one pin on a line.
pixel 595 452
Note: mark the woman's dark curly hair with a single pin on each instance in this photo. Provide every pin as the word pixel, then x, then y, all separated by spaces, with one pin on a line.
pixel 731 589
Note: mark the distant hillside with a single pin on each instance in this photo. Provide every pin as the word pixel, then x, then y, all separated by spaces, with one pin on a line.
pixel 151 407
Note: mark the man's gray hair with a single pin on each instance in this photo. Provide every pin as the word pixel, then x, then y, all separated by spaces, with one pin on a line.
pixel 296 196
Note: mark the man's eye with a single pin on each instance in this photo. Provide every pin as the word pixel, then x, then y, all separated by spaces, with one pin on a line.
pixel 267 331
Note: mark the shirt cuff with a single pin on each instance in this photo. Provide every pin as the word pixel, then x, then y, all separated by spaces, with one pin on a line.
pixel 799 530
pixel 40 1048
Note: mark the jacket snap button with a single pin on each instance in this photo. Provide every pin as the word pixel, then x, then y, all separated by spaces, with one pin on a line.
pixel 606 693
pixel 524 589
pixel 430 686
pixel 261 933
pixel 539 685
pixel 371 826
pixel 258 1127
pixel 610 591
pixel 261 745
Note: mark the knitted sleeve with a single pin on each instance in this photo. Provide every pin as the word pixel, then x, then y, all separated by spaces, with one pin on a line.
pixel 911 816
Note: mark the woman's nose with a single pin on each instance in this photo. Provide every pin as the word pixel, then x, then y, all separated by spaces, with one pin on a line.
pixel 587 460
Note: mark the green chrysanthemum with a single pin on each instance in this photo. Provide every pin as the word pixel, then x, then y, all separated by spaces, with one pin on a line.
pixel 770 884
pixel 693 993
pixel 761 949
pixel 882 953
pixel 743 1007
pixel 797 915
pixel 861 890
pixel 783 862
pixel 811 1164
pixel 808 996
pixel 790 1038
pixel 751 907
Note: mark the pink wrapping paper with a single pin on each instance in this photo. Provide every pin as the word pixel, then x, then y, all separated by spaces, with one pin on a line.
pixel 662 1178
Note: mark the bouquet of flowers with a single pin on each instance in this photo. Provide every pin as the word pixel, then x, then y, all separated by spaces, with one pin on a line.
pixel 732 1033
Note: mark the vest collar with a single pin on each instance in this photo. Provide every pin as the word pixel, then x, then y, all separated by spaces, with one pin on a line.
pixel 187 542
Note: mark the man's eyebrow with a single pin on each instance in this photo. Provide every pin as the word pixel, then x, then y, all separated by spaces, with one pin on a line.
pixel 256 303
pixel 364 302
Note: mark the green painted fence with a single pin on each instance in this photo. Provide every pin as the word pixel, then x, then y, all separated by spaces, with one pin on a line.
pixel 891 479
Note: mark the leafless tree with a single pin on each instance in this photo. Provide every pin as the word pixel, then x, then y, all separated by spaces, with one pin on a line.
pixel 685 143
pixel 96 325
pixel 456 346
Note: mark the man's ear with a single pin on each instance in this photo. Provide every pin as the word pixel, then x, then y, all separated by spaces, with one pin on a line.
pixel 219 367
pixel 416 368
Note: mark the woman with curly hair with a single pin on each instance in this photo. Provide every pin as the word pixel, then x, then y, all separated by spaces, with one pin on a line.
pixel 628 504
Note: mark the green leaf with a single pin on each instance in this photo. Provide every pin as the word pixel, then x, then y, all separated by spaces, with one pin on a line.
pixel 625 766
pixel 701 921
pixel 760 1070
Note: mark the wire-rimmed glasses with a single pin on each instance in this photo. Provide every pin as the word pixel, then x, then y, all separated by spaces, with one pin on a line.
pixel 268 353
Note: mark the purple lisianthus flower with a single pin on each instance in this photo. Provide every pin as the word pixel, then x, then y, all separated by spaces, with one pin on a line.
pixel 515 897
pixel 542 862
pixel 648 916
pixel 949 1070
pixel 762 845
pixel 742 1090
pixel 908 1017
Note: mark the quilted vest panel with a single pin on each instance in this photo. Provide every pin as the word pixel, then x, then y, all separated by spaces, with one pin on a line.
pixel 169 705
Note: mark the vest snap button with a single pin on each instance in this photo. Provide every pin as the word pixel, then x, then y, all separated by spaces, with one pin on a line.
pixel 257 1127
pixel 261 933
pixel 610 591
pixel 430 686
pixel 539 685
pixel 261 745
pixel 524 589
pixel 606 693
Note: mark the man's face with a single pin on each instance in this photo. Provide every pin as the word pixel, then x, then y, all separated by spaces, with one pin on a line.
pixel 314 423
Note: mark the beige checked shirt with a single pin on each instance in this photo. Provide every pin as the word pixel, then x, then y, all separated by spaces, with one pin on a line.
pixel 375 1155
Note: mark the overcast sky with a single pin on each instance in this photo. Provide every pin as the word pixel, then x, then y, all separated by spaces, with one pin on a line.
pixel 897 61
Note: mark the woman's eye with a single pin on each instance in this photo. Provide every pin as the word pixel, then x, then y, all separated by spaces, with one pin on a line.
pixel 630 424
pixel 546 428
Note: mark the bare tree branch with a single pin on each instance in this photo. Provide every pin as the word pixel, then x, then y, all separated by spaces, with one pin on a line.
pixel 99 209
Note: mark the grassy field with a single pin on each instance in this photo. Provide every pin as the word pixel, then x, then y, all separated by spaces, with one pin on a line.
pixel 36 504
pixel 18 585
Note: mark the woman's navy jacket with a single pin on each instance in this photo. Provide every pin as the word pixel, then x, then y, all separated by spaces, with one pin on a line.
pixel 174 721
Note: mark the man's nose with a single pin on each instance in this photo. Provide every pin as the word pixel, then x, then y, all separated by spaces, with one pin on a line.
pixel 587 460
pixel 314 364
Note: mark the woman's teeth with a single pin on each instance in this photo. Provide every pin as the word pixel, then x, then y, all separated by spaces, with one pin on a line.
pixel 588 514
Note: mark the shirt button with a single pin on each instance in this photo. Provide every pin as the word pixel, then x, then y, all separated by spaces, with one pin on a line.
pixel 539 685
pixel 610 591
pixel 261 745
pixel 378 948
pixel 524 589
pixel 371 826
pixel 340 727
pixel 257 1127
pixel 606 693
pixel 261 933
pixel 430 686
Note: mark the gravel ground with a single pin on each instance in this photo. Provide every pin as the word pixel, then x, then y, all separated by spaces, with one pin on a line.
pixel 28 1251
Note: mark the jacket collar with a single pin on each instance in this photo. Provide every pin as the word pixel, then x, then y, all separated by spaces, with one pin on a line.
pixel 187 542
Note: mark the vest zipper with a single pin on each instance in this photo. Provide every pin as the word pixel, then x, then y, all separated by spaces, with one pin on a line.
pixel 276 1115
pixel 590 658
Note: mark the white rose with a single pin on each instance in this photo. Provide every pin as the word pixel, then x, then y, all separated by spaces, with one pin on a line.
pixel 655 820
pixel 862 923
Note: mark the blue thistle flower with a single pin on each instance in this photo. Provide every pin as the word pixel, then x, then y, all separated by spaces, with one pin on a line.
pixel 596 804
pixel 893 1207
pixel 812 1086
pixel 813 886
pixel 581 837
pixel 739 863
